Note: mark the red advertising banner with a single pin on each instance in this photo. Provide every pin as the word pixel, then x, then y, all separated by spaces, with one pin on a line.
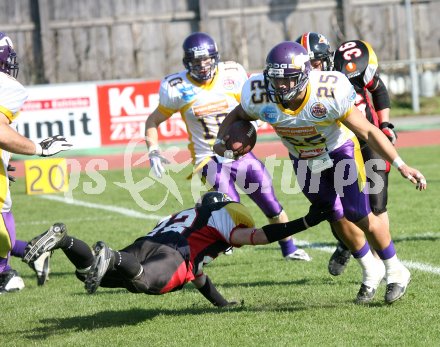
pixel 124 107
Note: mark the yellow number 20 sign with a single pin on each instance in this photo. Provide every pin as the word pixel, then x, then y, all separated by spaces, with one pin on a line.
pixel 46 176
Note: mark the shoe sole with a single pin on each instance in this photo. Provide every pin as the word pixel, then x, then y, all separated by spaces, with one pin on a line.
pixel 46 242
pixel 93 278
pixel 41 279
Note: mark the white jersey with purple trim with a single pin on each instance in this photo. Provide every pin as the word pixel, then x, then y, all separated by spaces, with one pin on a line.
pixel 203 107
pixel 12 97
pixel 313 129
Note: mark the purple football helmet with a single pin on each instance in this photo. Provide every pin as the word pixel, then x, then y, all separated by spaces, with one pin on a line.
pixel 198 48
pixel 8 57
pixel 287 61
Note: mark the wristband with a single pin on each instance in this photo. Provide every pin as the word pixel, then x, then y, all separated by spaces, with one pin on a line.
pixel 398 162
pixel 153 148
pixel 305 223
pixel 38 149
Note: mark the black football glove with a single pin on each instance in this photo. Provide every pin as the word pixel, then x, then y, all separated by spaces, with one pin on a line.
pixel 387 129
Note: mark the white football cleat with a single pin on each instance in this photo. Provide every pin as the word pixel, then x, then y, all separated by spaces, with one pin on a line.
pixel 397 284
pixel 10 281
pixel 299 254
pixel 370 282
pixel 41 267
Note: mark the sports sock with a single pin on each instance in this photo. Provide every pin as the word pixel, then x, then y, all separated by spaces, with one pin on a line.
pixel 388 252
pixel 78 252
pixel 18 249
pixel 372 269
pixel 127 264
pixel 287 247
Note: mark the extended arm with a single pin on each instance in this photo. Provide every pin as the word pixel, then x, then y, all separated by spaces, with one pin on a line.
pixel 382 104
pixel 152 141
pixel 208 290
pixel 381 145
pixel 12 141
pixel 275 232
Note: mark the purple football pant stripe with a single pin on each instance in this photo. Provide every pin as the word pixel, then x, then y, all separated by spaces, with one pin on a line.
pixel 332 186
pixel 250 175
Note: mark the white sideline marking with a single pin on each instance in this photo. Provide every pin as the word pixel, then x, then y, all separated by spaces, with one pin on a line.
pixel 135 214
pixel 413 265
pixel 422 267
pixel 121 210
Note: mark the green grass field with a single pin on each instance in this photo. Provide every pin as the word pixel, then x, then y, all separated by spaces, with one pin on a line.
pixel 285 303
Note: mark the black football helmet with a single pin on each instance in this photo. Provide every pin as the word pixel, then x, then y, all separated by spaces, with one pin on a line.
pixel 8 57
pixel 212 198
pixel 287 60
pixel 197 47
pixel 318 48
pixel 352 58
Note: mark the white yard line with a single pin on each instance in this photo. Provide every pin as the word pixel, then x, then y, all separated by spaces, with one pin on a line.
pixel 121 210
pixel 135 214
pixel 413 265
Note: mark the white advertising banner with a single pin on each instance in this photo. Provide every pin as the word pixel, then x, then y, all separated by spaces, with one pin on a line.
pixel 70 110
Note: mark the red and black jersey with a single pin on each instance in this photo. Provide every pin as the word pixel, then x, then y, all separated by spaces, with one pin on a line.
pixel 357 60
pixel 207 230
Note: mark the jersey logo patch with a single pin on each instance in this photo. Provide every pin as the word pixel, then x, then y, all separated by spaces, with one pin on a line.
pixel 228 83
pixel 352 97
pixel 269 114
pixel 187 92
pixel 318 110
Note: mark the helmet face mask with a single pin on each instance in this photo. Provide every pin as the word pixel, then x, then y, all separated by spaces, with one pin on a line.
pixel 287 72
pixel 200 56
pixel 212 198
pixel 318 48
pixel 8 57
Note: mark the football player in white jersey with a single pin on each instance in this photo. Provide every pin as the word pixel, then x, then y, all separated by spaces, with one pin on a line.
pixel 12 97
pixel 358 61
pixel 313 113
pixel 204 93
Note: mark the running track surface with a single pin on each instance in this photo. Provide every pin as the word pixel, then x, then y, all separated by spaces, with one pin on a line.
pixel 261 150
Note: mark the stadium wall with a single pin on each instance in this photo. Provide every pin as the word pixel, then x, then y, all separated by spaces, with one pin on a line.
pixel 63 41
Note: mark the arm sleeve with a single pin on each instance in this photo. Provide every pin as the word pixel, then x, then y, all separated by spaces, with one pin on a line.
pixel 379 94
pixel 279 231
pixel 211 293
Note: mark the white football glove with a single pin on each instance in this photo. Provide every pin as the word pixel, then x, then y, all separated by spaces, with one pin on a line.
pixel 52 145
pixel 156 161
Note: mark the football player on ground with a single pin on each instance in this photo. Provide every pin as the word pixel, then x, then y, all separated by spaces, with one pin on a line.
pixel 12 97
pixel 357 60
pixel 175 251
pixel 203 94
pixel 315 116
